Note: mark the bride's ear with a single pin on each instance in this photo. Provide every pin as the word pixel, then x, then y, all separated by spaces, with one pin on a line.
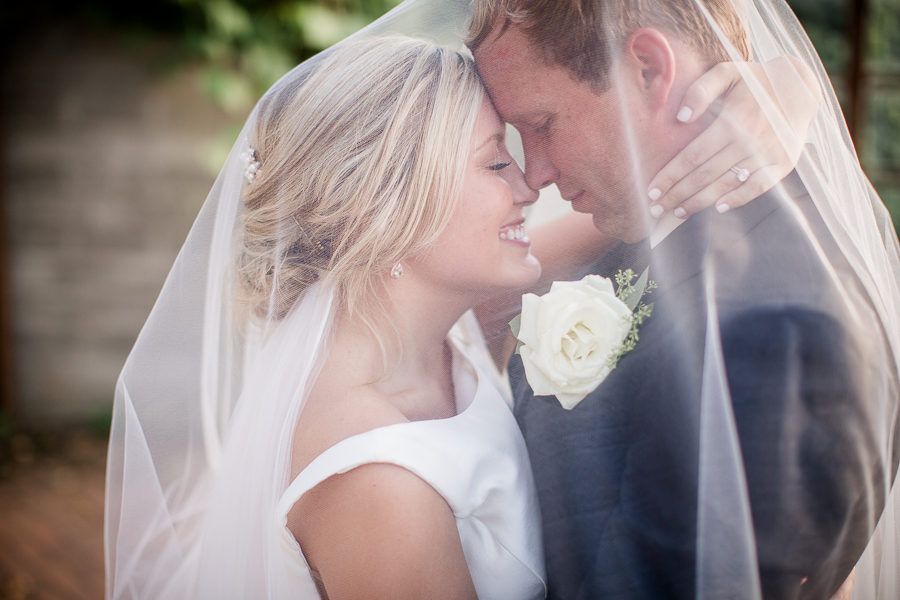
pixel 650 62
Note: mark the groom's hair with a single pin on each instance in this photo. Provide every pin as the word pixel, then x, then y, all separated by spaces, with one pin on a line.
pixel 584 35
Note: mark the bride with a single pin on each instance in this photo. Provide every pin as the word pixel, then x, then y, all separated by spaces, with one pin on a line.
pixel 391 191
pixel 311 409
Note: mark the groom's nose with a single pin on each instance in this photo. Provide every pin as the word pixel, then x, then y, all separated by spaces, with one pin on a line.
pixel 539 169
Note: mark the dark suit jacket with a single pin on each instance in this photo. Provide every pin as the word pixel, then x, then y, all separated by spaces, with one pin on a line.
pixel 617 476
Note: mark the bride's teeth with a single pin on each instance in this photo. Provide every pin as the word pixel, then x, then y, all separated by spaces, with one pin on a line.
pixel 514 233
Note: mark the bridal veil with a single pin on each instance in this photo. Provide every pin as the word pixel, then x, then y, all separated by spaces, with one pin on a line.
pixel 206 404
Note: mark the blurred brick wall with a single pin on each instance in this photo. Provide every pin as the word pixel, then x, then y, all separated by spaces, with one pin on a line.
pixel 101 178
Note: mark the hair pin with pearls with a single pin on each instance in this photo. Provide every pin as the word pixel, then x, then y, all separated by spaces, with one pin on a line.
pixel 250 155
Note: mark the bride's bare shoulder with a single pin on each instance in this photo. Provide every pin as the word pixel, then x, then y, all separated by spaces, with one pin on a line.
pixel 379 531
pixel 339 406
pixel 355 528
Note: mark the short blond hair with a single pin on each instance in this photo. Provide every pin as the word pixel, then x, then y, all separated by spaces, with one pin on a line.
pixel 362 156
pixel 580 35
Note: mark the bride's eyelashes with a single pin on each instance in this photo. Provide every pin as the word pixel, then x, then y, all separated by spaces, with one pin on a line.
pixel 502 159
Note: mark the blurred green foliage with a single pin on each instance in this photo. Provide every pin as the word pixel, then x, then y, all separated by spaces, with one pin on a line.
pixel 243 46
pixel 249 44
pixel 825 21
pixel 878 141
pixel 246 45
pixel 238 47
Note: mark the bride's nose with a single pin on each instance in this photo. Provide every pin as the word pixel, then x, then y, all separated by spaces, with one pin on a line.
pixel 523 194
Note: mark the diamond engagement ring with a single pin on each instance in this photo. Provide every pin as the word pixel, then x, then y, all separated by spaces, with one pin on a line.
pixel 742 174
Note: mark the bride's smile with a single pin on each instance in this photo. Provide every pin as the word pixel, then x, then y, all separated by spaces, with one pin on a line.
pixel 515 232
pixel 485 245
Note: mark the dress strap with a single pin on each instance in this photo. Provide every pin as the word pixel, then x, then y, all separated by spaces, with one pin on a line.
pixel 346 455
pixel 365 448
pixel 412 446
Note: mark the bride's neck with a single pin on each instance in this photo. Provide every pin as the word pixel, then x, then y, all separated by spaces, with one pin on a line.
pixel 407 346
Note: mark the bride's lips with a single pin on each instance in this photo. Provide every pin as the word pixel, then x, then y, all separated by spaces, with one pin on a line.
pixel 514 233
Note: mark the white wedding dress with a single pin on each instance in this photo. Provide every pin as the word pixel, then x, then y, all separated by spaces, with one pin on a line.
pixel 476 460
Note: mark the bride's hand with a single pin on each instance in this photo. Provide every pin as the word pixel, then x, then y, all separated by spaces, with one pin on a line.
pixel 763 137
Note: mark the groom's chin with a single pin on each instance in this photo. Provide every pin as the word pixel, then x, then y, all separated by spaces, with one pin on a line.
pixel 621 228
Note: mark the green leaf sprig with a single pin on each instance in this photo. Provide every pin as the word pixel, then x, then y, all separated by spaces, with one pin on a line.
pixel 632 292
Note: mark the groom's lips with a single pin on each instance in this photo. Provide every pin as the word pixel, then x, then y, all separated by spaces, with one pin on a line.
pixel 573 200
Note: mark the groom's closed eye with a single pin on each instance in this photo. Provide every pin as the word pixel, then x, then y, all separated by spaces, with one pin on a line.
pixel 544 127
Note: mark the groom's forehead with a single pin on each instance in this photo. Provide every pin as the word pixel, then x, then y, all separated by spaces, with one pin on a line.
pixel 511 73
pixel 518 78
pixel 510 54
pixel 508 45
pixel 509 61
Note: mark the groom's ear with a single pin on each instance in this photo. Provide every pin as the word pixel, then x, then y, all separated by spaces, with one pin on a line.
pixel 652 64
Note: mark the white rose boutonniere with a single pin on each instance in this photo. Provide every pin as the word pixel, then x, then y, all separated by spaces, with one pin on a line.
pixel 572 337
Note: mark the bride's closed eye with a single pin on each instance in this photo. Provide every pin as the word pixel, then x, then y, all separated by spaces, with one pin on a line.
pixel 501 158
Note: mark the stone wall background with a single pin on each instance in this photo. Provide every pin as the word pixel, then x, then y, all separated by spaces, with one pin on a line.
pixel 102 175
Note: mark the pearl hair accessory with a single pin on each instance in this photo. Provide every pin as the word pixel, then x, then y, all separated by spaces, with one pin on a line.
pixel 253 164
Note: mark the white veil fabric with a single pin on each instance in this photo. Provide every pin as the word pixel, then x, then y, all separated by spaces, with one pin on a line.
pixel 205 407
pixel 858 250
pixel 746 446
pixel 206 404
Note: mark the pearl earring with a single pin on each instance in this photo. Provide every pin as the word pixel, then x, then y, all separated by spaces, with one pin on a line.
pixel 397 271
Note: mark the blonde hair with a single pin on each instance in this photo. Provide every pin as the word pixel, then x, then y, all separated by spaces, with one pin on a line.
pixel 581 35
pixel 362 158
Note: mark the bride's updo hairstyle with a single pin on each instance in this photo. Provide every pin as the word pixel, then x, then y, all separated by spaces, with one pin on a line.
pixel 361 160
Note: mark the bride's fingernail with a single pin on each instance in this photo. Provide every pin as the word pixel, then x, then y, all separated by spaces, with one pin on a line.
pixel 679 212
pixel 656 211
pixel 684 114
pixel 722 208
pixel 654 194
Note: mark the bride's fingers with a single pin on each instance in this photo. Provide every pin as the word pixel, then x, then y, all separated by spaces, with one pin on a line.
pixel 684 197
pixel 693 160
pixel 775 131
pixel 739 123
pixel 762 178
pixel 722 144
pixel 734 175
pixel 749 149
pixel 759 182
pixel 706 89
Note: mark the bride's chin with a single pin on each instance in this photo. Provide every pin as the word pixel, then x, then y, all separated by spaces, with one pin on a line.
pixel 523 275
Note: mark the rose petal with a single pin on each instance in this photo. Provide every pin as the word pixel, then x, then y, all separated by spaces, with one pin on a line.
pixel 531 308
pixel 537 379
pixel 570 401
pixel 601 284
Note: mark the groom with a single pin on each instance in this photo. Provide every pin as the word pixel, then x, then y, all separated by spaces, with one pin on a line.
pixel 745 312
